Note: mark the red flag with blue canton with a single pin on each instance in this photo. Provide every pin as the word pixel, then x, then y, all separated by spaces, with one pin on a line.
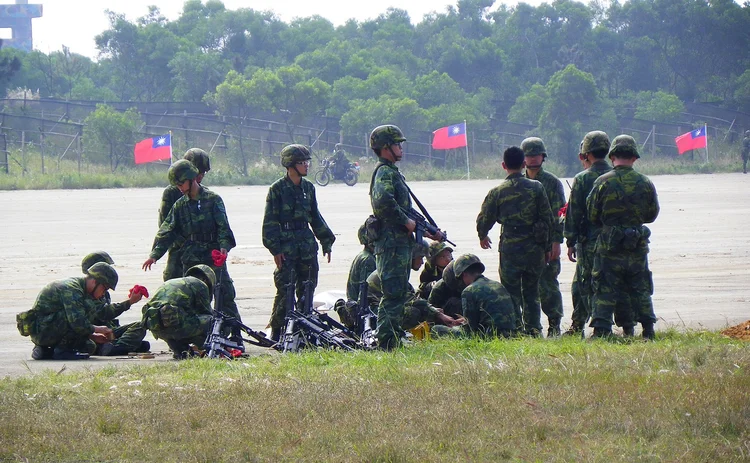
pixel 153 149
pixel 692 140
pixel 446 138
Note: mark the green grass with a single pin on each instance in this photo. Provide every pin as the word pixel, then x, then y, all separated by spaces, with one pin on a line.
pixel 683 398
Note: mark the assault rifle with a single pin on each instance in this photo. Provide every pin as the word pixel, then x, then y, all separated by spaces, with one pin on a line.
pixel 367 320
pixel 425 225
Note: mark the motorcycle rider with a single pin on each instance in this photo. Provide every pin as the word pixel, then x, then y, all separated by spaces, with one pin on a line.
pixel 338 162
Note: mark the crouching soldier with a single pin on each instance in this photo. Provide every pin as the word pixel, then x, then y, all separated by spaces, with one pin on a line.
pixel 440 255
pixel 59 322
pixel 446 293
pixel 362 266
pixel 179 312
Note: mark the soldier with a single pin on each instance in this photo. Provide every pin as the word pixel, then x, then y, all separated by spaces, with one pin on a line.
pixel 179 312
pixel 199 221
pixel 362 266
pixel 521 206
pixel 126 338
pixel 291 210
pixel 171 194
pixel 745 151
pixel 389 197
pixel 59 323
pixel 446 294
pixel 621 202
pixel 549 288
pixel 440 256
pixel 580 233
pixel 487 306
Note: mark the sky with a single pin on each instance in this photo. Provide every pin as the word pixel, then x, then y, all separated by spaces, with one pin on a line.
pixel 75 23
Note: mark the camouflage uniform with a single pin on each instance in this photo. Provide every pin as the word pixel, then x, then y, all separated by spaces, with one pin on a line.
pixel 179 312
pixel 202 225
pixel 173 267
pixel 415 309
pixel 446 293
pixel 289 210
pixel 745 151
pixel 103 312
pixel 522 207
pixel 582 234
pixel 488 308
pixel 621 202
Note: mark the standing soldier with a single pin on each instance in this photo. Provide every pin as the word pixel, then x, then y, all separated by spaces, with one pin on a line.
pixel 521 206
pixel 621 202
pixel 171 194
pixel 199 221
pixel 580 233
pixel 549 288
pixel 389 197
pixel 291 210
pixel 745 151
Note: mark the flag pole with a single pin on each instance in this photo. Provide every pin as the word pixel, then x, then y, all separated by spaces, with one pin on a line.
pixel 170 148
pixel 705 130
pixel 466 134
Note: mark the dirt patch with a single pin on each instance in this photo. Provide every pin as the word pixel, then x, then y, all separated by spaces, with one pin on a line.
pixel 741 331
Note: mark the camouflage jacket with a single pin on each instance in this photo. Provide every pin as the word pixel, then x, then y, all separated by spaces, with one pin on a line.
pixel 289 210
pixel 440 294
pixel 556 196
pixel 430 273
pixel 169 196
pixel 745 146
pixel 68 296
pixel 518 204
pixel 389 196
pixel 488 308
pixel 578 229
pixel 622 198
pixel 201 223
pixel 177 297
pixel 103 312
pixel 375 293
pixel 362 266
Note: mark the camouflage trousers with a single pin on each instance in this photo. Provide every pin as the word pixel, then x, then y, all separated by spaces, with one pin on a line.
pixel 393 266
pixel 54 331
pixel 415 312
pixel 129 336
pixel 303 270
pixel 520 274
pixel 173 268
pixel 452 307
pixel 622 286
pixel 581 287
pixel 227 292
pixel 549 292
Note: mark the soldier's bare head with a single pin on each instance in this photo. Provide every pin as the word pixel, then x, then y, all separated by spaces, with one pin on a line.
pixel 513 158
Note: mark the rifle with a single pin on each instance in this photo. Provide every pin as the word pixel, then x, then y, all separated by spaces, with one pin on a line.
pixel 367 320
pixel 424 225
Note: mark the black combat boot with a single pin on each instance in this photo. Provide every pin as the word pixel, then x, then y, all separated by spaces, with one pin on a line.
pixel 553 330
pixel 41 353
pixel 65 353
pixel 275 334
pixel 574 330
pixel 648 331
pixel 628 331
pixel 602 333
pixel 144 347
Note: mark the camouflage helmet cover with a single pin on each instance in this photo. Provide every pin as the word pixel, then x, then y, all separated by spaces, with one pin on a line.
pixel 533 146
pixel 420 250
pixel 449 277
pixel 93 258
pixel 199 158
pixel 593 141
pixel 465 261
pixel 104 274
pixel 181 171
pixel 292 154
pixel 385 135
pixel 203 272
pixel 436 247
pixel 624 146
pixel 362 235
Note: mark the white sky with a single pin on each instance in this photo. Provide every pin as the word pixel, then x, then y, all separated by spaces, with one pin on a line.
pixel 75 23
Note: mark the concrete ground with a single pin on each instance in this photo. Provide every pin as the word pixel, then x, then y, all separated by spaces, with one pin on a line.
pixel 700 248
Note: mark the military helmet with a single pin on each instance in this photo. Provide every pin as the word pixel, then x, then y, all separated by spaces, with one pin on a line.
pixel 199 158
pixel 420 250
pixel 93 258
pixel 449 277
pixel 465 261
pixel 624 146
pixel 104 274
pixel 533 146
pixel 385 135
pixel 436 247
pixel 593 141
pixel 362 235
pixel 181 171
pixel 203 272
pixel 292 154
pixel 747 133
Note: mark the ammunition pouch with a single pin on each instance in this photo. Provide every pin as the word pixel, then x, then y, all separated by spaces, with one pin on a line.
pixel 541 233
pixel 373 226
pixel 163 317
pixel 616 238
pixel 26 323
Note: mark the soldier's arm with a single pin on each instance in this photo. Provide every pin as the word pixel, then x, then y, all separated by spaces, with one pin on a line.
pixel 557 201
pixel 468 307
pixel 319 226
pixel 271 223
pixel 223 230
pixel 384 204
pixel 592 203
pixel 166 235
pixel 652 208
pixel 166 204
pixel 109 311
pixel 439 294
pixel 573 216
pixel 487 216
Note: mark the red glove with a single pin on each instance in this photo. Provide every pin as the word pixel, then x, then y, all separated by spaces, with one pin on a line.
pixel 138 289
pixel 563 211
pixel 218 258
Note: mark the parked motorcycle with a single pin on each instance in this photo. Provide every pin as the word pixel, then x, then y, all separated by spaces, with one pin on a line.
pixel 325 174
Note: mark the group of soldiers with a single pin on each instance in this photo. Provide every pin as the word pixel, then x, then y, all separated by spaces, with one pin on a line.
pixel 604 228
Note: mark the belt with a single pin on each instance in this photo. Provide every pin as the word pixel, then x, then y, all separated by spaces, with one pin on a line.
pixel 294 225
pixel 518 229
pixel 202 237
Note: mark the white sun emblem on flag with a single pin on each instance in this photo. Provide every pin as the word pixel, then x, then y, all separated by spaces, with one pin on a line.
pixel 456 130
pixel 697 132
pixel 161 141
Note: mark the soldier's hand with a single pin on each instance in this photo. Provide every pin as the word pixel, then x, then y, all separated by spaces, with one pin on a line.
pixel 99 338
pixel 149 262
pixel 279 260
pixel 135 297
pixel 572 254
pixel 485 243
pixel 411 225
pixel 439 236
pixel 547 257
pixel 555 254
pixel 329 256
pixel 105 330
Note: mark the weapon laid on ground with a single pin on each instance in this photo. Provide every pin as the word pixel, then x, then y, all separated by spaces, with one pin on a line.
pixel 424 224
pixel 368 321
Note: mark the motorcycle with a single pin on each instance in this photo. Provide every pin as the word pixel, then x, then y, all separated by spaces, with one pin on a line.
pixel 325 174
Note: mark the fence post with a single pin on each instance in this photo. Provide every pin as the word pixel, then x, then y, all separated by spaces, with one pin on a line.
pixel 41 144
pixel 79 135
pixel 653 141
pixel 23 152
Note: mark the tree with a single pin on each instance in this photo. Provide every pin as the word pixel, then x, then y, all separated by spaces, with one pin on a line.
pixel 658 106
pixel 114 131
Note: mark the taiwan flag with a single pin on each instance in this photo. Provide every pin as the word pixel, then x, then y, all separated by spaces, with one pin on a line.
pixel 453 136
pixel 692 140
pixel 153 149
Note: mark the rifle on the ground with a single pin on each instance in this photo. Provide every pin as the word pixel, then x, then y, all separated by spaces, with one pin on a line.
pixel 368 321
pixel 425 225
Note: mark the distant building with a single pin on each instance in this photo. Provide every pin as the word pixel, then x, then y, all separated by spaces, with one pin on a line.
pixel 17 17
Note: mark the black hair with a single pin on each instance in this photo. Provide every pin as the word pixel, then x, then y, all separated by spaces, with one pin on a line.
pixel 600 153
pixel 513 158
